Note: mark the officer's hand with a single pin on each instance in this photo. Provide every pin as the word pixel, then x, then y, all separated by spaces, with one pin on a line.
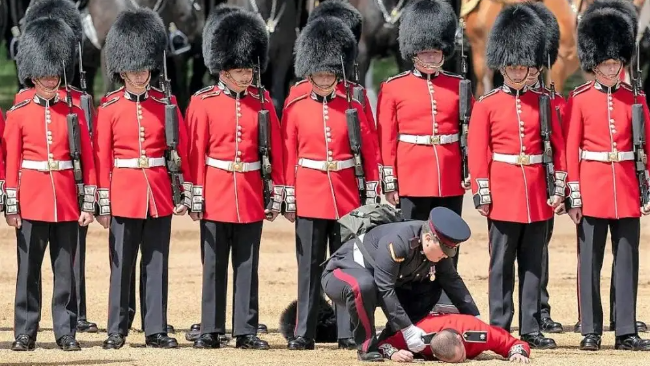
pixel 519 358
pixel 196 216
pixel 392 198
pixel 291 216
pixel 575 213
pixel 104 220
pixel 466 184
pixel 413 337
pixel 645 209
pixel 555 201
pixel 402 356
pixel 270 214
pixel 85 219
pixel 180 210
pixel 14 220
pixel 484 210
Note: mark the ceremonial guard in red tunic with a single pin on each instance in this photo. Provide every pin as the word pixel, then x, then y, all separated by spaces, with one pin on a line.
pixel 603 183
pixel 235 134
pixel 509 179
pixel 325 177
pixel 49 203
pixel 136 195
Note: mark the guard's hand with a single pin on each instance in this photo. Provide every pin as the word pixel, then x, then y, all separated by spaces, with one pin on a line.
pixel 291 216
pixel 402 356
pixel 196 216
pixel 14 220
pixel 180 210
pixel 104 220
pixel 560 210
pixel 645 209
pixel 270 215
pixel 85 219
pixel 555 201
pixel 484 210
pixel 392 198
pixel 466 184
pixel 575 213
pixel 413 337
pixel 518 358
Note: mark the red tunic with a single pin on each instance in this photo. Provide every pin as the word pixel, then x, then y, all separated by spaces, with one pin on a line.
pixel 315 128
pixel 3 153
pixel 223 126
pixel 496 339
pixel 411 105
pixel 600 120
pixel 28 93
pixel 49 196
pixel 517 192
pixel 120 134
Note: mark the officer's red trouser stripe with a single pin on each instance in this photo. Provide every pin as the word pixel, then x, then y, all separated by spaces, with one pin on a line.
pixel 358 302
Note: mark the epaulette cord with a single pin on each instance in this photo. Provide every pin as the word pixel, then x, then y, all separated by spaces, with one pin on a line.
pixel 204 90
pixel 491 92
pixel 397 76
pixel 109 102
pixel 19 105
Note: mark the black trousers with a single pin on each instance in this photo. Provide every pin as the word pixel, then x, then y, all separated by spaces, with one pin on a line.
pixel 80 273
pixel 544 299
pixel 126 236
pixel 592 236
pixel 312 238
pixel 32 240
pixel 217 241
pixel 418 208
pixel 354 290
pixel 510 241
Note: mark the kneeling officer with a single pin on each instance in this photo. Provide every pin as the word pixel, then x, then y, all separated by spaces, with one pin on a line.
pixel 366 273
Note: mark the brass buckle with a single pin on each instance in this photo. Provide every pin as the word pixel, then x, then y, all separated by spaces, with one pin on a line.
pixel 143 162
pixel 53 165
pixel 612 156
pixel 523 159
pixel 434 139
pixel 331 166
pixel 237 167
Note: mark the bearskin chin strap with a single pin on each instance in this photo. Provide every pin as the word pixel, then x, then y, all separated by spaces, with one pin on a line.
pixel 434 67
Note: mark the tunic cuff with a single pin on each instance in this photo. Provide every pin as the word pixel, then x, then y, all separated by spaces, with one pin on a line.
pixel 104 201
pixel 387 350
pixel 388 179
pixel 575 198
pixel 482 196
pixel 197 199
pixel 2 195
pixel 371 193
pixel 290 199
pixel 517 349
pixel 277 199
pixel 560 183
pixel 11 207
pixel 187 195
pixel 90 198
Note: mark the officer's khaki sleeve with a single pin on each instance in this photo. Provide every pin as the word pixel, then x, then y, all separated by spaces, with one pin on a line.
pixel 455 288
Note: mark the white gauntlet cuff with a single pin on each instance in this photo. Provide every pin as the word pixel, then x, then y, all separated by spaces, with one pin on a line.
pixel 187 195
pixel 197 199
pixel 560 183
pixel 371 193
pixel 575 198
pixel 277 199
pixel 290 199
pixel 482 195
pixel 11 207
pixel 388 180
pixel 90 198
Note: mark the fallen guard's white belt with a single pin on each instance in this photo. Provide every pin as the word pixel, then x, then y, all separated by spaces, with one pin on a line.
pixel 139 163
pixel 607 157
pixel 326 165
pixel 46 166
pixel 232 166
pixel 429 140
pixel 356 252
pixel 521 159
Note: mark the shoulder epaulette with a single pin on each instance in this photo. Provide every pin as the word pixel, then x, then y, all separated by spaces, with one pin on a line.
pixel 296 99
pixel 490 93
pixel 339 94
pixel 451 74
pixel 216 93
pixel 19 105
pixel 397 76
pixel 300 82
pixel 109 102
pixel 156 89
pixel 158 100
pixel 626 86
pixel 113 92
pixel 204 90
pixel 75 89
pixel 257 96
pixel 23 90
pixel 580 88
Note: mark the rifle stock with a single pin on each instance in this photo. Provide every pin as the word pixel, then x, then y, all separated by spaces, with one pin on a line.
pixel 264 144
pixel 74 143
pixel 638 138
pixel 547 150
pixel 172 158
pixel 464 109
pixel 354 135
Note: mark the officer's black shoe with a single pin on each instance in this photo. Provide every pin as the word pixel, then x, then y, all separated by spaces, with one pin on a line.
pixel 161 340
pixel 632 342
pixel 251 341
pixel 550 326
pixel 23 343
pixel 84 326
pixel 591 342
pixel 114 341
pixel 538 341
pixel 347 343
pixel 578 327
pixel 208 340
pixel 262 328
pixel 170 329
pixel 641 327
pixel 300 343
pixel 68 343
pixel 371 356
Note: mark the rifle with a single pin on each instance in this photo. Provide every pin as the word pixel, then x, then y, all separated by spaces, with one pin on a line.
pixel 357 90
pixel 638 137
pixel 172 159
pixel 354 135
pixel 263 144
pixel 551 86
pixel 547 150
pixel 86 105
pixel 464 112
pixel 74 142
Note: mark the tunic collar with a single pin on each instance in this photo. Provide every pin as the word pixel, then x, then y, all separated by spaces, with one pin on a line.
pixel 321 99
pixel 514 92
pixel 46 102
pixel 229 92
pixel 424 76
pixel 136 97
pixel 607 89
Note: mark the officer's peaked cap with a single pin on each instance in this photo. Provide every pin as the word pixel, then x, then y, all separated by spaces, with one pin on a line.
pixel 320 46
pixel 135 42
pixel 552 31
pixel 45 45
pixel 427 25
pixel 237 41
pixel 211 23
pixel 518 38
pixel 343 10
pixel 57 9
pixel 450 229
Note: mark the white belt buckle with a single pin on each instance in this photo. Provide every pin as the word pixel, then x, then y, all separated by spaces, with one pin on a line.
pixel 330 166
pixel 612 156
pixel 523 159
pixel 237 167
pixel 434 139
pixel 53 165
pixel 143 162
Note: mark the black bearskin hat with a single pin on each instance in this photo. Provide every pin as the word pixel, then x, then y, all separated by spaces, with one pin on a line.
pixel 44 46
pixel 237 41
pixel 604 34
pixel 552 31
pixel 57 9
pixel 320 46
pixel 325 327
pixel 427 25
pixel 518 37
pixel 343 10
pixel 135 42
pixel 211 23
pixel 624 6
